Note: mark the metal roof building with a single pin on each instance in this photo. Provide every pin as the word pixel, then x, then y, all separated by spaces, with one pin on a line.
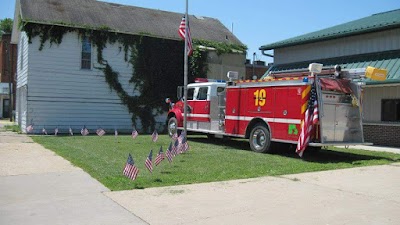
pixel 370 41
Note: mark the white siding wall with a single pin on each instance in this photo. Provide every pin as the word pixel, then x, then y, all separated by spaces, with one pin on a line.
pixel 62 94
pixel 373 100
pixel 22 79
pixel 353 45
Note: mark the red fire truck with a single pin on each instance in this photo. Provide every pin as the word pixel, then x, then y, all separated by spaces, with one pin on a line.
pixel 273 108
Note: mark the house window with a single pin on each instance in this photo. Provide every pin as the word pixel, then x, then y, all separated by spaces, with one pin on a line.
pixel 391 110
pixel 86 54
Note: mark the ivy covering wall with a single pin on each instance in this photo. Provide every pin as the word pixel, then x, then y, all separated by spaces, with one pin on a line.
pixel 157 64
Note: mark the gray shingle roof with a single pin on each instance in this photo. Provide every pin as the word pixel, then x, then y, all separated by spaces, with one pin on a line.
pixel 376 22
pixel 123 19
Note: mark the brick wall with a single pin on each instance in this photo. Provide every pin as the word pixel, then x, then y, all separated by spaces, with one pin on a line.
pixel 4 76
pixel 381 134
pixel 258 70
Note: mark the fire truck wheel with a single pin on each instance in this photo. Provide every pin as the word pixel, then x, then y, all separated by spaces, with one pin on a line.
pixel 260 139
pixel 172 126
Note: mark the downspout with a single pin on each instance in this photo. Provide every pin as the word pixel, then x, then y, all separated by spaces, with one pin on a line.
pixel 270 68
pixel 266 54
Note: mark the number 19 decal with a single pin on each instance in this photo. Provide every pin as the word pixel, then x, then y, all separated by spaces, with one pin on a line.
pixel 259 97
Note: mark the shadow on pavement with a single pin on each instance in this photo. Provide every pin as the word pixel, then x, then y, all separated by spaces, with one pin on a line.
pixel 288 150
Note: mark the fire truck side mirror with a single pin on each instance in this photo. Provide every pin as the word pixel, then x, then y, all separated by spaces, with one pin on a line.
pixel 232 75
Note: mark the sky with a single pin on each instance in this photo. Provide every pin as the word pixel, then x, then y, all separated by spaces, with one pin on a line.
pixel 261 22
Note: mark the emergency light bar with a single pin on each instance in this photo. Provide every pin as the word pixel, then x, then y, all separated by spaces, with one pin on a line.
pixel 201 80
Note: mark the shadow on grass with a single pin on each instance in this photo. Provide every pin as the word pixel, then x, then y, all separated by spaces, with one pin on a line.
pixel 289 150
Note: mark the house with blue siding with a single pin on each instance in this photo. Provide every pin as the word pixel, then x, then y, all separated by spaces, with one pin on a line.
pixel 103 65
pixel 370 41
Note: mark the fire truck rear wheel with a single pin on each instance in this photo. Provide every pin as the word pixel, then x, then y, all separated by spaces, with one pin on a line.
pixel 260 139
pixel 172 126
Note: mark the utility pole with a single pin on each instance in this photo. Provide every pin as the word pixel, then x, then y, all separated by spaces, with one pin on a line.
pixel 185 79
pixel 254 60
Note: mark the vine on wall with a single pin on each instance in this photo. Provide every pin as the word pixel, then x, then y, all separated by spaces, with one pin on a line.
pixel 156 64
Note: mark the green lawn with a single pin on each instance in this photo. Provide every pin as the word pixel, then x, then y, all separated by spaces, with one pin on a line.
pixel 104 159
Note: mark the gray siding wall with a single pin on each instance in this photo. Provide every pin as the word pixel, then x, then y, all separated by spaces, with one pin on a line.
pixel 219 65
pixel 22 79
pixel 62 94
pixel 353 45
pixel 373 101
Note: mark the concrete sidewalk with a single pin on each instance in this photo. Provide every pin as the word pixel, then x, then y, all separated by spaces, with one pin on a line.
pixel 368 195
pixel 39 187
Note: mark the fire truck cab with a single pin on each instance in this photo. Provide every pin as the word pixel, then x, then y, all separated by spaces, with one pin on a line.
pixel 274 108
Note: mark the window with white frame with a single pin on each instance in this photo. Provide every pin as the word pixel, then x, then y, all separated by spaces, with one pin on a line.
pixel 86 60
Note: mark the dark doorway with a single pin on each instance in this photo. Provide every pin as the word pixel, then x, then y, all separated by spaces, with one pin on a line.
pixel 6 108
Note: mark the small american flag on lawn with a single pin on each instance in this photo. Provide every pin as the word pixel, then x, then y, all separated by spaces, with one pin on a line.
pixel 149 161
pixel 130 170
pixel 180 138
pixel 115 132
pixel 134 134
pixel 56 131
pixel 174 148
pixel 184 146
pixel 175 136
pixel 44 132
pixel 70 132
pixel 29 128
pixel 154 136
pixel 168 153
pixel 160 157
pixel 100 132
pixel 84 131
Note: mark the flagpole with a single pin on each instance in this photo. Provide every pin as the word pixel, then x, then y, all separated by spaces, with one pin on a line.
pixel 185 79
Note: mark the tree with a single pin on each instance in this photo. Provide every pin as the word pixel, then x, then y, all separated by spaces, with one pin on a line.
pixel 6 26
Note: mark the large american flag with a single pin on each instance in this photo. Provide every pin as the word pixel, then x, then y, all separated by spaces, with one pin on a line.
pixel 84 131
pixel 182 32
pixel 29 128
pixel 310 119
pixel 168 153
pixel 154 136
pixel 134 134
pixel 130 170
pixel 160 157
pixel 100 132
pixel 149 161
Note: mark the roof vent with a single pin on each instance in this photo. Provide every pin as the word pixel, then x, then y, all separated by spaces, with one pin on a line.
pixel 199 17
